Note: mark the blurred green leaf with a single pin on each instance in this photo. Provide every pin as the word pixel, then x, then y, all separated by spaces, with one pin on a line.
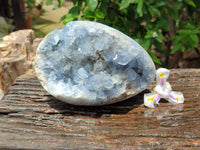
pixel 145 43
pixel 177 5
pixel 139 8
pixel 99 14
pixel 159 37
pixel 62 18
pixel 125 3
pixel 188 31
pixel 75 11
pixel 72 15
pixel 68 18
pixel 92 4
pixel 190 2
pixel 88 14
pixel 191 41
pixel 154 11
pixel 161 3
pixel 149 34
pixel 194 40
pixel 155 58
pixel 176 47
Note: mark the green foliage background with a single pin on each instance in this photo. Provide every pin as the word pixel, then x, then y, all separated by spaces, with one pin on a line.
pixel 164 26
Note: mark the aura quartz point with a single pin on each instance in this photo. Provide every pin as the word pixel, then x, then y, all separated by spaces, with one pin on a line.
pixel 88 63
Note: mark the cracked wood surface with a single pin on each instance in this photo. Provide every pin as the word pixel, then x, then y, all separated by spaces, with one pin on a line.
pixel 32 119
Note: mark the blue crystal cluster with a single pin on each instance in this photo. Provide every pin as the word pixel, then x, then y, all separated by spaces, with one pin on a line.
pixel 88 63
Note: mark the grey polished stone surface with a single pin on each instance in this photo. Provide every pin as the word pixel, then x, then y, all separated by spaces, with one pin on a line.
pixel 88 63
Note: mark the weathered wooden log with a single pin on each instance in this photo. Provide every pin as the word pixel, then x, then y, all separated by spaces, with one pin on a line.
pixel 32 119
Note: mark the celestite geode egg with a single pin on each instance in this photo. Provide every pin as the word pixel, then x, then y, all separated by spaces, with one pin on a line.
pixel 88 63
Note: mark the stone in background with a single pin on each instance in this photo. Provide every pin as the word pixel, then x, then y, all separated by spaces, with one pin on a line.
pixel 17 53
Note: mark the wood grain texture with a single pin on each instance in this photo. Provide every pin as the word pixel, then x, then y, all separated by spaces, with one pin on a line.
pixel 32 119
